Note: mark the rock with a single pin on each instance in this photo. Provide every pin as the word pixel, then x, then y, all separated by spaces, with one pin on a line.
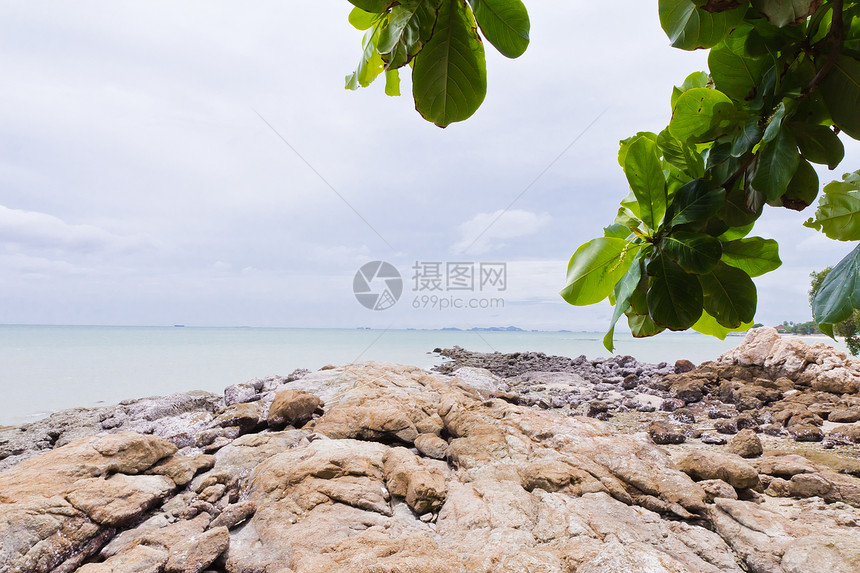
pixel 715 488
pixel 195 554
pixel 806 433
pixel 432 446
pixel 246 416
pixel 844 415
pixel 234 514
pixel 294 408
pixel 831 553
pixel 682 366
pixel 182 469
pixel 238 393
pixel 746 444
pixel 684 416
pixel 725 426
pixel 141 559
pixel 755 349
pixel 709 465
pixel 712 439
pixel 687 388
pixel 665 433
pixel 120 499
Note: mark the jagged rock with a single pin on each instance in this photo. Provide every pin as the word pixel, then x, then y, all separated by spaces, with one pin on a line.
pixel 119 499
pixel 709 465
pixel 665 433
pixel 294 408
pixel 523 489
pixel 194 554
pixel 844 415
pixel 715 488
pixel 432 446
pixel 246 416
pixel 182 469
pixel 746 444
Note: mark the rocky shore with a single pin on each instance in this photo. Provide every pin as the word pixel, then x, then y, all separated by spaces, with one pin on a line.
pixel 520 462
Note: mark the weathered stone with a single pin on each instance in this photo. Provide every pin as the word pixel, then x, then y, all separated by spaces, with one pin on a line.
pixel 844 415
pixel 432 446
pixel 195 554
pixel 182 469
pixel 119 499
pixel 709 465
pixel 294 408
pixel 746 444
pixel 715 488
pixel 665 433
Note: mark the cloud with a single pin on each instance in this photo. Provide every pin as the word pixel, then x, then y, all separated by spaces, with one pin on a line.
pixel 487 231
pixel 31 230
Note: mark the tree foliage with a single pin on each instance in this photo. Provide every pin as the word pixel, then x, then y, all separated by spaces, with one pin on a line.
pixel 847 328
pixel 439 40
pixel 782 89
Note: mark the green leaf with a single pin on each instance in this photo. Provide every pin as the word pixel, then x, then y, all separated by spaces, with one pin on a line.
pixel 694 202
pixel 595 268
pixel 747 137
pixel 681 156
pixel 616 230
pixel 410 25
pixel 696 253
pixel 505 23
pixel 623 293
pixel 362 20
pixel 690 28
pixel 776 165
pixel 841 91
pixel 645 176
pixel 729 295
pixel 694 80
pixel 839 293
pixel 392 83
pixel 700 115
pixel 802 189
pixel 641 325
pixel 838 213
pixel 370 65
pixel 449 77
pixel 781 13
pixel 755 256
pixel 734 71
pixel 674 297
pixel 627 218
pixel 734 233
pixel 818 144
pixel 775 124
pixel 707 324
pixel 377 6
pixel 736 211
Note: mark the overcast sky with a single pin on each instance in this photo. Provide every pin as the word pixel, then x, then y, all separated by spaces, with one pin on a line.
pixel 139 184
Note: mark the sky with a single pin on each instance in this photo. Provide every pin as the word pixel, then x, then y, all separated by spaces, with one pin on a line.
pixel 200 163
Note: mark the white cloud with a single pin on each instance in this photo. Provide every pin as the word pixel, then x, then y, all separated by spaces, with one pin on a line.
pixel 30 230
pixel 486 232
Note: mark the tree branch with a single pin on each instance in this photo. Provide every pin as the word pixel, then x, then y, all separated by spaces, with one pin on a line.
pixel 835 36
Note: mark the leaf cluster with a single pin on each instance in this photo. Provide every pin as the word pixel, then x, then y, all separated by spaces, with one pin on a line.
pixel 783 86
pixel 440 42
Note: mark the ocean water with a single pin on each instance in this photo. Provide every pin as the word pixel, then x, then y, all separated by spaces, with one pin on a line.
pixel 48 368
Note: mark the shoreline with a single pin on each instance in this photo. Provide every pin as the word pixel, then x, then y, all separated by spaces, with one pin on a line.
pixel 376 466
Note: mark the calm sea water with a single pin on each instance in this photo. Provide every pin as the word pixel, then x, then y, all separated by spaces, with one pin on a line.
pixel 49 368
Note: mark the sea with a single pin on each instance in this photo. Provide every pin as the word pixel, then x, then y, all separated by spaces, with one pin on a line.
pixel 44 369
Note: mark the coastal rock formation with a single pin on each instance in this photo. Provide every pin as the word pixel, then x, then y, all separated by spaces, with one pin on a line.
pixel 383 467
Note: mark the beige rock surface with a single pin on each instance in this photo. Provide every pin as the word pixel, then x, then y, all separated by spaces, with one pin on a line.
pixel 372 486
